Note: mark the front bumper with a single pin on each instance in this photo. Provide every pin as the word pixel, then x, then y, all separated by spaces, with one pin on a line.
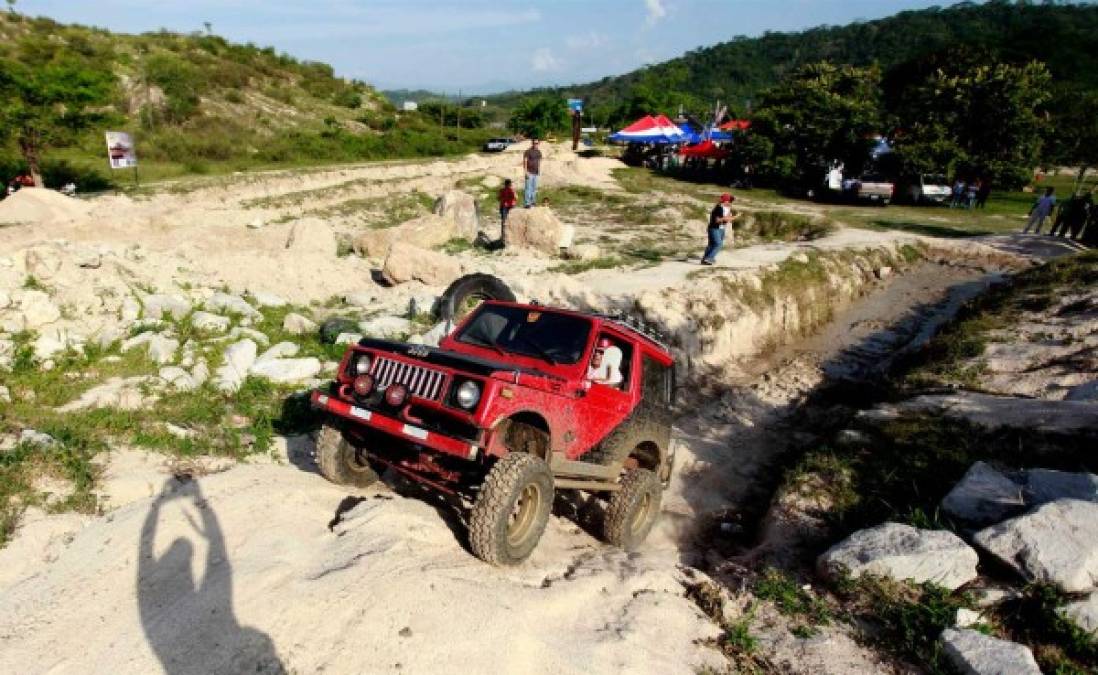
pixel 394 427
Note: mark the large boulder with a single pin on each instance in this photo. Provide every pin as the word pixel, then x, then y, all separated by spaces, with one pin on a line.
pixel 42 262
pixel 123 393
pixel 312 236
pixel 426 232
pixel 462 209
pixel 1055 543
pixel 385 327
pixel 287 370
pixel 214 323
pixel 538 228
pixel 983 497
pixel 903 552
pixel 973 653
pixel 406 262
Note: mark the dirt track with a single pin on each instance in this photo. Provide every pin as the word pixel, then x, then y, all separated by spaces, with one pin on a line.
pixel 265 566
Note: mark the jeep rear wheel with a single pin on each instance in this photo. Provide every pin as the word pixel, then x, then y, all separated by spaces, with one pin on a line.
pixel 633 509
pixel 340 462
pixel 512 510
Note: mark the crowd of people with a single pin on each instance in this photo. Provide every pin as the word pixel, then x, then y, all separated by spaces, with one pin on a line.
pixel 1076 218
pixel 970 194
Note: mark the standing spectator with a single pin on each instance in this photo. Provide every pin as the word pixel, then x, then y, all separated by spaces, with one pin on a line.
pixel 531 164
pixel 1089 235
pixel 958 193
pixel 971 191
pixel 1040 210
pixel 506 203
pixel 983 193
pixel 721 215
pixel 1072 216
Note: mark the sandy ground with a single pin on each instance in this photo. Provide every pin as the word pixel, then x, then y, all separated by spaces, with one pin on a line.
pixel 265 567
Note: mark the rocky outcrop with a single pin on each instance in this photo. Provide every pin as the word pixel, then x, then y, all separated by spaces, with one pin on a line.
pixel 406 262
pixel 1046 485
pixel 425 232
pixel 1083 613
pixel 973 653
pixel 231 304
pixel 213 323
pixel 386 327
pixel 117 392
pixel 903 552
pixel 1056 543
pixel 157 306
pixel 999 412
pixel 287 370
pixel 538 228
pixel 461 208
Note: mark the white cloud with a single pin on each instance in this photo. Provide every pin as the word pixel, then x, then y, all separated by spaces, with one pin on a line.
pixel 655 11
pixel 544 60
pixel 589 40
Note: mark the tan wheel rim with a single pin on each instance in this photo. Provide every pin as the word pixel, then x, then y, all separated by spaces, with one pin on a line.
pixel 523 515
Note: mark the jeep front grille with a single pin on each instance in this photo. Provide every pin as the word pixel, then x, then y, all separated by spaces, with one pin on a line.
pixel 422 382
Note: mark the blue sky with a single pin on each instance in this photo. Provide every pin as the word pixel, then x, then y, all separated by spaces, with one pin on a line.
pixel 474 45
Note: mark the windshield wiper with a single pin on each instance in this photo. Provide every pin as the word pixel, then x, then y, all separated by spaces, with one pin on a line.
pixel 541 350
pixel 487 342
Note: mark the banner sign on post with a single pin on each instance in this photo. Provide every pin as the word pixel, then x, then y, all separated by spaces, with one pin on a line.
pixel 120 150
pixel 575 104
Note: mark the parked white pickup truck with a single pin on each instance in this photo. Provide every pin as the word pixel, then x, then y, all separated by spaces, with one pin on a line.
pixel 929 188
pixel 874 188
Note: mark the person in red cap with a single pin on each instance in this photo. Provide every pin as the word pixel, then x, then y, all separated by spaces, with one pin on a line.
pixel 721 216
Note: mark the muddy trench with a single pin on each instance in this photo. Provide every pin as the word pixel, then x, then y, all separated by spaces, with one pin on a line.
pixel 740 437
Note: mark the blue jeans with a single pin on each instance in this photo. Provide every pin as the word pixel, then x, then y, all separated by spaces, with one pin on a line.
pixel 716 240
pixel 530 191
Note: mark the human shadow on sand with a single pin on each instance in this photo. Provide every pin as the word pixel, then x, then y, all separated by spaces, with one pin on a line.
pixel 189 623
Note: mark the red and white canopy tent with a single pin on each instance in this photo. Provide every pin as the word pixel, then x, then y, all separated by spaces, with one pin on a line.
pixel 651 129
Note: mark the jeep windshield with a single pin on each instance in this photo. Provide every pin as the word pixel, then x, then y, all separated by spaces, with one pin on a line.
pixel 550 336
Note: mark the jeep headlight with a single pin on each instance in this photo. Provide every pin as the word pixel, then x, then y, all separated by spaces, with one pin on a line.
pixel 468 395
pixel 362 365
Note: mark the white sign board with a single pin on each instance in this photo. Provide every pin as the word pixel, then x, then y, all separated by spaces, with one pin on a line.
pixel 120 150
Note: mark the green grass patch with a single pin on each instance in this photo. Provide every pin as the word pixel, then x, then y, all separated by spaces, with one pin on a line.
pixel 793 600
pixel 580 266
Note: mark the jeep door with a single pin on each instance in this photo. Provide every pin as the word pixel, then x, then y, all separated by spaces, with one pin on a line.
pixel 604 407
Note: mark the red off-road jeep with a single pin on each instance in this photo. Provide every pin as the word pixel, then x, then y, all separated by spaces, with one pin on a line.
pixel 517 402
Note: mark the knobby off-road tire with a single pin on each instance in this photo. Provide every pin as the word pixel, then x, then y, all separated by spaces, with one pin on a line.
pixel 339 462
pixel 633 510
pixel 463 295
pixel 512 510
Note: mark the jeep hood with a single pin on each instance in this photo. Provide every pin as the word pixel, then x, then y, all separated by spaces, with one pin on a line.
pixel 473 365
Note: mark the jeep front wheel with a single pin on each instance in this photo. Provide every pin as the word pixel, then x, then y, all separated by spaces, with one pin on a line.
pixel 633 509
pixel 340 462
pixel 512 510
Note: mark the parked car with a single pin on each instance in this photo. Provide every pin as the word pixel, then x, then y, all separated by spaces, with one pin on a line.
pixel 872 187
pixel 929 188
pixel 511 407
pixel 497 144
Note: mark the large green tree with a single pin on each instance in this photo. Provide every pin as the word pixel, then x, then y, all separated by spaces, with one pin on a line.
pixel 540 115
pixel 1073 140
pixel 974 118
pixel 45 102
pixel 823 113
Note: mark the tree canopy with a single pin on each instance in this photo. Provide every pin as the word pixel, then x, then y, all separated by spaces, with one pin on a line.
pixel 539 116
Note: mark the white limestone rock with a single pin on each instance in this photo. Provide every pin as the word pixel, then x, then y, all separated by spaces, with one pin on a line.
pixel 287 370
pixel 903 552
pixel 1055 543
pixel 984 496
pixel 213 323
pixel 239 358
pixel 973 653
pixel 298 325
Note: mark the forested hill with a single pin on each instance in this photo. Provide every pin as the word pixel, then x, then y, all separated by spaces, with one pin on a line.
pixel 1064 36
pixel 193 102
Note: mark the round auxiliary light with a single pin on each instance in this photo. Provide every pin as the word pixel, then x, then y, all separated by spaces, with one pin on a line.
pixel 364 384
pixel 468 394
pixel 362 365
pixel 395 394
